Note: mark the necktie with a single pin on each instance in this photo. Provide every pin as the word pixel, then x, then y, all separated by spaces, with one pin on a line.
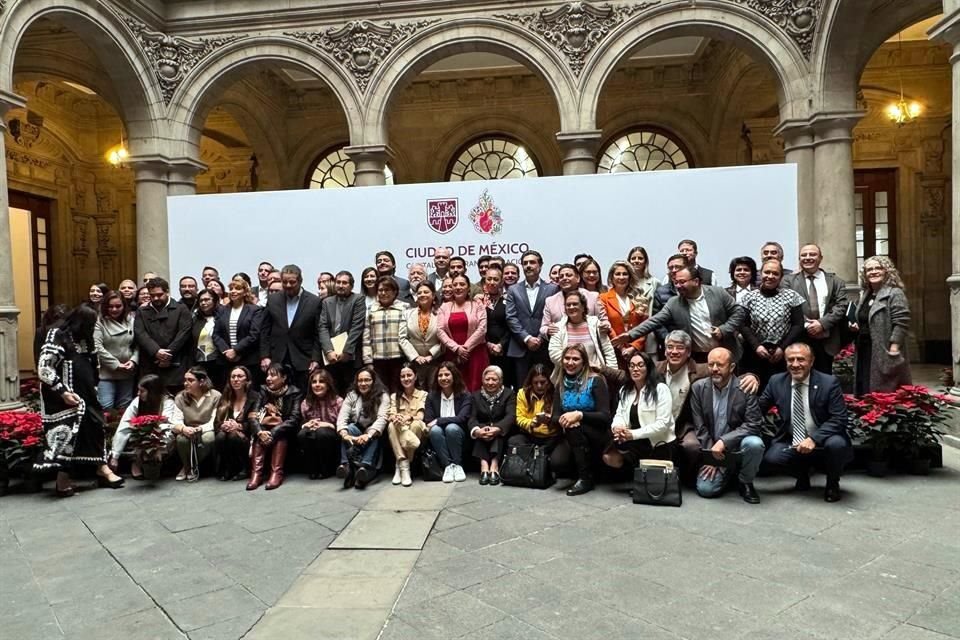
pixel 798 416
pixel 814 299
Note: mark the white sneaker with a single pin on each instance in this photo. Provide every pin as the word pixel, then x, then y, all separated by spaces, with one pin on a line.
pixel 405 479
pixel 448 473
pixel 458 473
pixel 396 474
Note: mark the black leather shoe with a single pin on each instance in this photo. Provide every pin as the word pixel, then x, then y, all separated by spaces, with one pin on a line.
pixel 362 477
pixel 580 487
pixel 748 493
pixel 485 478
pixel 494 478
pixel 832 493
pixel 103 483
pixel 345 472
pixel 803 484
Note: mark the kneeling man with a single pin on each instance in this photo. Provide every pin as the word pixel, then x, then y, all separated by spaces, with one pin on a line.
pixel 814 427
pixel 726 421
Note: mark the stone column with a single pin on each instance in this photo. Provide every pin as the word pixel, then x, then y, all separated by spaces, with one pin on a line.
pixel 9 369
pixel 371 164
pixel 579 151
pixel 182 177
pixel 153 247
pixel 834 223
pixel 798 147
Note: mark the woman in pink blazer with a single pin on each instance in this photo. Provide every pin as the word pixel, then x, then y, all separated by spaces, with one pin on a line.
pixel 462 327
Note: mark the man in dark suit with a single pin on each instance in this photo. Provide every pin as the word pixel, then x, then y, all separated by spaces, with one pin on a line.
pixel 824 307
pixel 708 314
pixel 263 279
pixel 386 265
pixel 524 307
pixel 162 330
pixel 689 249
pixel 346 313
pixel 288 331
pixel 726 421
pixel 814 422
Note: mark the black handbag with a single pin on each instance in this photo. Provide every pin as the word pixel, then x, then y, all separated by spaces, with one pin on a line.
pixel 657 482
pixel 430 467
pixel 526 465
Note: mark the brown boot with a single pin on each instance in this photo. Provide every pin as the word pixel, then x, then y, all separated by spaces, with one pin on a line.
pixel 257 458
pixel 276 464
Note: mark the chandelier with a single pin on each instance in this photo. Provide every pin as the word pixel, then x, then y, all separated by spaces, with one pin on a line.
pixel 903 112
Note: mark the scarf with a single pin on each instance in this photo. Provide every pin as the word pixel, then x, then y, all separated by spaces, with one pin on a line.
pixel 494 398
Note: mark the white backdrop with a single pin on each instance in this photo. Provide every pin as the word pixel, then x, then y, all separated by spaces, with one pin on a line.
pixel 728 211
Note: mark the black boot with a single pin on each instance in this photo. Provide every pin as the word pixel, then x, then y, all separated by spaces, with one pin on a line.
pixel 748 493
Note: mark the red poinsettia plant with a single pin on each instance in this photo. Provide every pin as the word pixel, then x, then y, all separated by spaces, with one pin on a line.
pixel 148 437
pixel 905 419
pixel 21 437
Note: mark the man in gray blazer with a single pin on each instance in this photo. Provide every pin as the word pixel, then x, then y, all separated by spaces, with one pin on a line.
pixel 708 314
pixel 525 303
pixel 824 307
pixel 727 422
pixel 343 313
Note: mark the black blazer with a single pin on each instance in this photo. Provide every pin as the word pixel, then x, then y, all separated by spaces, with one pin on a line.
pixel 247 414
pixel 826 404
pixel 248 334
pixel 196 328
pixel 503 413
pixel 166 328
pixel 497 330
pixel 706 275
pixel 462 402
pixel 298 341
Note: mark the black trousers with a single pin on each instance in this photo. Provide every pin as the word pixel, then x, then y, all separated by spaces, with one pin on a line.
pixel 320 449
pixel 833 456
pixel 822 361
pixel 232 452
pixel 342 374
pixel 556 447
pixel 588 444
pixel 634 451
pixel 522 365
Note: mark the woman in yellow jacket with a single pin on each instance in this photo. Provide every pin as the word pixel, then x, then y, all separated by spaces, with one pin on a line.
pixel 534 404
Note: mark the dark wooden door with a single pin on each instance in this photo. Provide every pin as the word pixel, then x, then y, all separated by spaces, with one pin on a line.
pixel 875 208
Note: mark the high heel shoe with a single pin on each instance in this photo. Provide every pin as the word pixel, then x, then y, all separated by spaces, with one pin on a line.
pixel 103 483
pixel 64 493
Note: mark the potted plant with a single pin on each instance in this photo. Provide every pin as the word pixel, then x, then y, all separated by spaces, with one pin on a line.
pixel 21 438
pixel 871 422
pixel 150 441
pixel 918 413
pixel 844 365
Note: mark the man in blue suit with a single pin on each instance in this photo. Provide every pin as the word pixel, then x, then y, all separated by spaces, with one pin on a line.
pixel 814 422
pixel 525 302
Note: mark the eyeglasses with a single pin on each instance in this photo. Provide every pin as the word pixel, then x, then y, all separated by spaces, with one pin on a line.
pixel 636 366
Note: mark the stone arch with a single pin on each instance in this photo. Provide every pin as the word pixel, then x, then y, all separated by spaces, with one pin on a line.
pixel 465 36
pixel 266 146
pixel 198 93
pixel 545 151
pixel 733 23
pixel 686 130
pixel 842 53
pixel 139 101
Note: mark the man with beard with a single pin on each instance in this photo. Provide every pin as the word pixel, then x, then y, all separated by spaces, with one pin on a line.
pixel 162 330
pixel 188 292
pixel 344 312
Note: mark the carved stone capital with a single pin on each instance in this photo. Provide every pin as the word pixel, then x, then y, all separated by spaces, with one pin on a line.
pixel 360 45
pixel 798 18
pixel 576 28
pixel 173 57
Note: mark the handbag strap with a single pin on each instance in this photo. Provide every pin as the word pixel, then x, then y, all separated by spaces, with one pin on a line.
pixel 646 487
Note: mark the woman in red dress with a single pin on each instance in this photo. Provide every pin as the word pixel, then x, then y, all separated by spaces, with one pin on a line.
pixel 462 328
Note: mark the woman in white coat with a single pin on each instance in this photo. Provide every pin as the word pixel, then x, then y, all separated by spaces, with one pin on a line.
pixel 576 327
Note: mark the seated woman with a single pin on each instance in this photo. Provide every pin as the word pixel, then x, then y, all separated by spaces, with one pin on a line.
pixel 197 407
pixel 581 407
pixel 274 426
pixel 643 426
pixel 534 404
pixel 420 343
pixel 405 426
pixel 360 423
pixel 447 413
pixel 575 327
pixel 238 406
pixel 152 399
pixel 318 439
pixel 492 417
pixel 775 321
pixel 384 332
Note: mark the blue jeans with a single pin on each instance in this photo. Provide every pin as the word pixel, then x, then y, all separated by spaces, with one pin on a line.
pixel 115 393
pixel 370 450
pixel 447 441
pixel 751 455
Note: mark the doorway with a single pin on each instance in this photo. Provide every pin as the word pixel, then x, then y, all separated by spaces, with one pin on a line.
pixel 875 208
pixel 30 249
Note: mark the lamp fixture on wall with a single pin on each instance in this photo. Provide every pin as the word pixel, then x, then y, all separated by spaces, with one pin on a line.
pixel 903 112
pixel 117 156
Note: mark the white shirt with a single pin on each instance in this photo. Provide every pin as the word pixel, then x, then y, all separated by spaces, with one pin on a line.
pixel 820 284
pixel 700 326
pixel 262 294
pixel 679 385
pixel 448 408
pixel 805 396
pixel 532 292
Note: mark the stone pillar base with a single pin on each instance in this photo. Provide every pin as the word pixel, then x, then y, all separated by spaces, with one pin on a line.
pixel 9 371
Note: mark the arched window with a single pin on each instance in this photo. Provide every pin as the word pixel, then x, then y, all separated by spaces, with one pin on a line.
pixel 336 170
pixel 494 158
pixel 643 150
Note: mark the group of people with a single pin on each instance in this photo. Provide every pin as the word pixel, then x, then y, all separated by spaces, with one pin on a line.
pixel 600 375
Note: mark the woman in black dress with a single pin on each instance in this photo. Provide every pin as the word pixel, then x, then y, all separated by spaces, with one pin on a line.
pixel 73 420
pixel 498 333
